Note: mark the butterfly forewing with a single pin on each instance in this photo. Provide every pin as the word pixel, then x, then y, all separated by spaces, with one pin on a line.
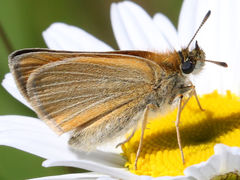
pixel 78 91
pixel 22 63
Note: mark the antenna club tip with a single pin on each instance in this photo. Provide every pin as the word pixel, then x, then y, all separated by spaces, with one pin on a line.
pixel 224 64
pixel 209 12
pixel 207 15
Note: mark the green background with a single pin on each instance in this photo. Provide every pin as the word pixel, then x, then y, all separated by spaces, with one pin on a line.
pixel 23 22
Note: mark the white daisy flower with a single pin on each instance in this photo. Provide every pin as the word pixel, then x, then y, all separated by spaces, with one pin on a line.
pixel 135 29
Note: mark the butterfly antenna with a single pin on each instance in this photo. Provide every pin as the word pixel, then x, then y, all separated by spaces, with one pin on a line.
pixel 203 21
pixel 223 64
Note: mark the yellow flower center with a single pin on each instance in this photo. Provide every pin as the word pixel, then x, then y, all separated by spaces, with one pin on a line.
pixel 200 131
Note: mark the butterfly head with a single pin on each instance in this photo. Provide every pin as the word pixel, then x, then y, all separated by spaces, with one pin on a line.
pixel 191 61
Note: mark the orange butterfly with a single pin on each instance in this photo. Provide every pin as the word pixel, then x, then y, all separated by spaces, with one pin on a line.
pixel 102 95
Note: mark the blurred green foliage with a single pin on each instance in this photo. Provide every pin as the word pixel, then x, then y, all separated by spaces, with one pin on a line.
pixel 23 22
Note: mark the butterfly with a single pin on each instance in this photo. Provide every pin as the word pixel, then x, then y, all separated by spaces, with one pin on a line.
pixel 99 96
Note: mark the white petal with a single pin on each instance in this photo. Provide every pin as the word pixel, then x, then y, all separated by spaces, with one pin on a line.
pixel 135 29
pixel 34 136
pixel 93 166
pixel 205 170
pixel 9 84
pixel 223 32
pixel 187 21
pixel 230 158
pixel 85 176
pixel 167 29
pixel 226 159
pixel 107 178
pixel 168 178
pixel 61 36
pixel 221 148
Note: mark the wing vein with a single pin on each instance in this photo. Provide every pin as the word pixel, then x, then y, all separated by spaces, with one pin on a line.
pixel 92 105
pixel 81 102
pixel 80 96
pixel 93 75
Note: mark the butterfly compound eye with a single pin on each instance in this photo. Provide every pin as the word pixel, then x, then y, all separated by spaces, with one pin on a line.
pixel 187 67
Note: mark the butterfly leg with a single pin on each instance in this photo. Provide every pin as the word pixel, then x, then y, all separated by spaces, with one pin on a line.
pixel 128 139
pixel 193 92
pixel 177 127
pixel 144 124
pixel 186 101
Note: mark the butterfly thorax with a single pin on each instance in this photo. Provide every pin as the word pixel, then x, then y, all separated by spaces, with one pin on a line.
pixel 168 89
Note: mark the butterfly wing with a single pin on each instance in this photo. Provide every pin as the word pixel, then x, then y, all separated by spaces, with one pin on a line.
pixel 78 91
pixel 23 62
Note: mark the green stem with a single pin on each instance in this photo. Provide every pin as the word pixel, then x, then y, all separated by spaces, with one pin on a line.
pixel 5 40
